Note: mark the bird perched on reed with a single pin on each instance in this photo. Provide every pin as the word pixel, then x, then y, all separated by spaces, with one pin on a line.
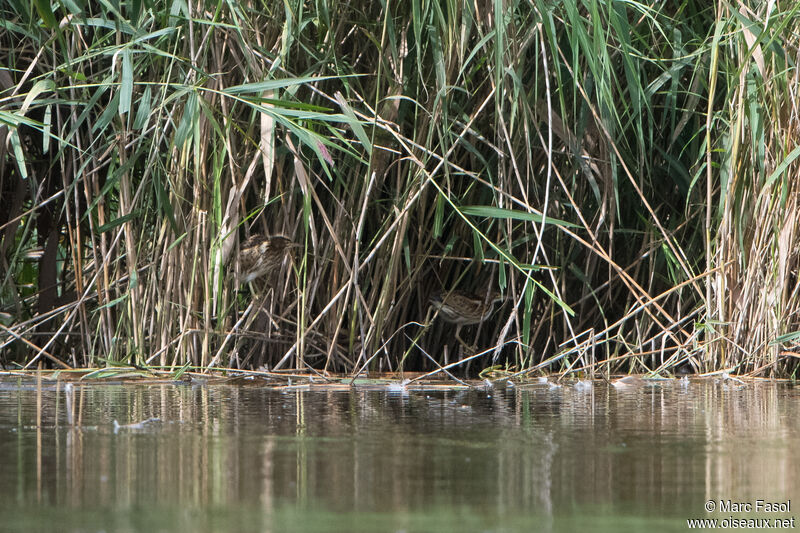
pixel 261 254
pixel 463 309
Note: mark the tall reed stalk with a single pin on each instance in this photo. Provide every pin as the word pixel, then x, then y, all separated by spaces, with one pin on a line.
pixel 625 173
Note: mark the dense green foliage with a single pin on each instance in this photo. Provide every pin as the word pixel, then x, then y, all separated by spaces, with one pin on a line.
pixel 624 173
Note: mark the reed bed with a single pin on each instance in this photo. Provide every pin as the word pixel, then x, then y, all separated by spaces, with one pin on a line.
pixel 624 174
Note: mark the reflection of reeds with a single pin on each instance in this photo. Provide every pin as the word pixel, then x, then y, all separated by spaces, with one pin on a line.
pixel 671 442
pixel 594 172
pixel 69 395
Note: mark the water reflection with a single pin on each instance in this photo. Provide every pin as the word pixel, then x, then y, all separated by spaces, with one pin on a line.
pixel 250 458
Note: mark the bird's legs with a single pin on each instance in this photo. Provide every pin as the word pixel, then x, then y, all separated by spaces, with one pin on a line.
pixel 260 306
pixel 460 340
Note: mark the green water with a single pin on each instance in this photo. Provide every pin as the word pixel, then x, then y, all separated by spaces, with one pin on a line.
pixel 239 458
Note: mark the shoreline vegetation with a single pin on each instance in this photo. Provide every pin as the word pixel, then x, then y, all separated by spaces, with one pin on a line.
pixel 392 382
pixel 620 180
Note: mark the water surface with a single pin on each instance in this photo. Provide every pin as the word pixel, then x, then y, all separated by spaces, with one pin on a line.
pixel 249 457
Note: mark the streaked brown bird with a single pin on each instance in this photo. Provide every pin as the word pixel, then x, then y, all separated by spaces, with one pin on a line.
pixel 261 254
pixel 463 309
